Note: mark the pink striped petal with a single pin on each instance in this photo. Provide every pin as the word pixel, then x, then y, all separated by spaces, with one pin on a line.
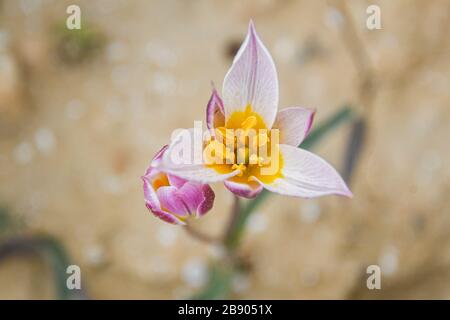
pixel 208 200
pixel 294 124
pixel 214 111
pixel 307 175
pixel 199 198
pixel 152 203
pixel 176 181
pixel 171 201
pixel 249 191
pixel 252 80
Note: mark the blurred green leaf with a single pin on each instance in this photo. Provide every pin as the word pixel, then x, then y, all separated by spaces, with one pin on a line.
pixel 343 115
pixel 9 224
pixel 354 147
pixel 5 219
pixel 59 261
pixel 78 45
pixel 219 284
pixel 52 251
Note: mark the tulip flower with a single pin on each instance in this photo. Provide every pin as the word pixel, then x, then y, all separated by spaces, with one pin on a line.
pixel 250 103
pixel 172 198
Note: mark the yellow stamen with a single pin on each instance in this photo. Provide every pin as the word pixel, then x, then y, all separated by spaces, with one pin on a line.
pixel 242 155
pixel 225 136
pixel 263 138
pixel 253 147
pixel 241 167
pixel 249 123
pixel 216 152
pixel 254 159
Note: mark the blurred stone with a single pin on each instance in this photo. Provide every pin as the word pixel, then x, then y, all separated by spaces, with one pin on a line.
pixel 194 272
pixel 75 109
pixel 45 140
pixel 388 261
pixel 310 211
pixel 167 235
pixel 240 283
pixel 23 153
pixel 257 223
pixel 95 255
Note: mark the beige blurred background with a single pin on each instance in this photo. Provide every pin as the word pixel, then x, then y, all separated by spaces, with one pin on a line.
pixel 78 130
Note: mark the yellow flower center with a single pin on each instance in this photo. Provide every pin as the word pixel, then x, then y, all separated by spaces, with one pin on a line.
pixel 245 143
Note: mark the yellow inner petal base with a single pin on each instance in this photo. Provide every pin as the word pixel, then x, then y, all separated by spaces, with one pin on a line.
pixel 239 144
pixel 160 180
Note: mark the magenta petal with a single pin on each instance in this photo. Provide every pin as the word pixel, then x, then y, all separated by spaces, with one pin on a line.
pixel 244 190
pixel 152 203
pixel 197 197
pixel 208 200
pixel 192 195
pixel 172 201
pixel 176 181
pixel 214 110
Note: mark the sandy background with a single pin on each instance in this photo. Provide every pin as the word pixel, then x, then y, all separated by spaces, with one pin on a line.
pixel 75 136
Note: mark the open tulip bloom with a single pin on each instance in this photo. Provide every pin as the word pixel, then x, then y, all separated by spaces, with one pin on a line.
pixel 249 144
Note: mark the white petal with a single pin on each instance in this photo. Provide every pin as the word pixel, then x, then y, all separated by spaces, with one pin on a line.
pixel 307 175
pixel 294 124
pixel 252 79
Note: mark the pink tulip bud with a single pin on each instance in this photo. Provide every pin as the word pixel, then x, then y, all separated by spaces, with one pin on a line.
pixel 174 199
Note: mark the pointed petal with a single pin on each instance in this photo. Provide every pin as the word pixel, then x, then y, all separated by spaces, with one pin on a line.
pixel 183 158
pixel 156 160
pixel 307 175
pixel 294 124
pixel 152 203
pixel 248 191
pixel 252 79
pixel 214 111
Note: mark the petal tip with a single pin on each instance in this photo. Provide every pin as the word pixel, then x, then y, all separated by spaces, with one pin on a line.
pixel 349 194
pixel 310 120
pixel 251 25
pixel 252 32
pixel 345 191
